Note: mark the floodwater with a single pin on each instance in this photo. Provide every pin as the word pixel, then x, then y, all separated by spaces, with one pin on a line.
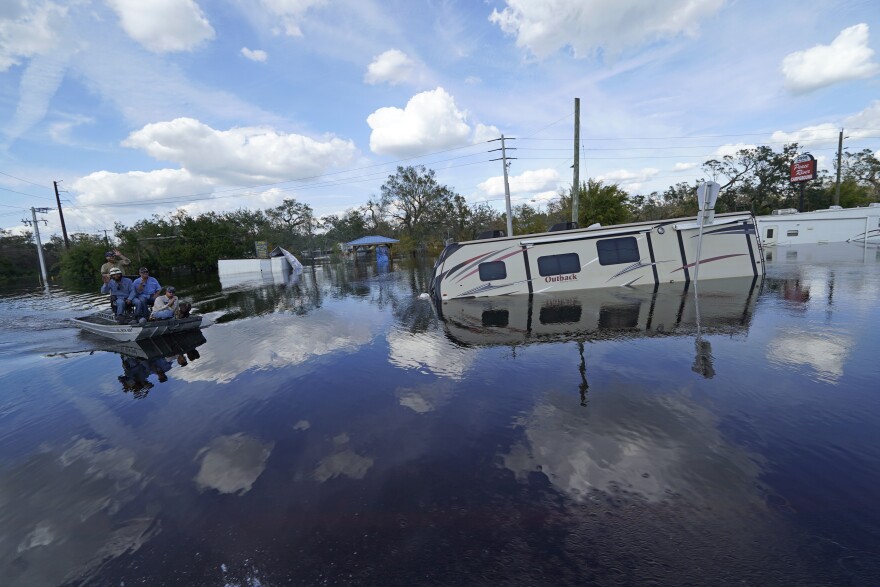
pixel 335 430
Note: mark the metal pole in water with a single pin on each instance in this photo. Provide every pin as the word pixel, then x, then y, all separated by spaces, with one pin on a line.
pixel 506 189
pixel 707 193
pixel 39 247
pixel 701 202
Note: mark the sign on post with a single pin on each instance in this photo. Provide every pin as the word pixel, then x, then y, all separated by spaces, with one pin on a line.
pixel 804 168
pixel 262 249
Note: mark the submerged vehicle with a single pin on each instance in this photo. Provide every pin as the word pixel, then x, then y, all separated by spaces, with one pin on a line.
pixel 835 225
pixel 642 253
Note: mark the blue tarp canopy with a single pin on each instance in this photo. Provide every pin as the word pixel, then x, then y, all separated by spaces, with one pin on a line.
pixel 367 241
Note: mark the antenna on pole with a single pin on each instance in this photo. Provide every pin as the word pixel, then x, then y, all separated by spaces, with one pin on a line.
pixel 575 184
pixel 504 159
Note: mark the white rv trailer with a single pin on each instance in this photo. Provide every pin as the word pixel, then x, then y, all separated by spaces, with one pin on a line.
pixel 640 253
pixel 834 225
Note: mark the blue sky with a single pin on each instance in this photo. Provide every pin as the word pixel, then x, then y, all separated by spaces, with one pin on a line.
pixel 140 108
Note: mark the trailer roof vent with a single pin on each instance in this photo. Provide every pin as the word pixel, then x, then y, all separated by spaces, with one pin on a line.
pixel 490 234
pixel 784 211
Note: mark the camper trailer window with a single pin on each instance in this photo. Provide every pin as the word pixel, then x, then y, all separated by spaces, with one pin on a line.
pixel 493 271
pixel 769 233
pixel 791 233
pixel 618 250
pixel 559 264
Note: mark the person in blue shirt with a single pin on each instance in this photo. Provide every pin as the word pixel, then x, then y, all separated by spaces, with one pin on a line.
pixel 146 290
pixel 122 293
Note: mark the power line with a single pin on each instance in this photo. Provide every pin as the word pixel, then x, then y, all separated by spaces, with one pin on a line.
pixel 39 185
pixel 24 194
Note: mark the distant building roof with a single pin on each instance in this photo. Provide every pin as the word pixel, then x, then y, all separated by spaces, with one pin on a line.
pixel 372 240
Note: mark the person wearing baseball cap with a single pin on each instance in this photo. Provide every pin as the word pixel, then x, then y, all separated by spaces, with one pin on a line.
pixel 113 259
pixel 165 306
pixel 122 293
pixel 147 288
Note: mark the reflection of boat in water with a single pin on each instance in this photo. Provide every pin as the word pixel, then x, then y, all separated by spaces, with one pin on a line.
pixel 104 324
pixel 725 307
pixel 165 346
pixel 143 358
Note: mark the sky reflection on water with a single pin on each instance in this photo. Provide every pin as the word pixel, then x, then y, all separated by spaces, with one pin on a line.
pixel 334 429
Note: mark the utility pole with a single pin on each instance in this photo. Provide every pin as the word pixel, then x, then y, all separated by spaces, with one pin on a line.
pixel 61 215
pixel 576 181
pixel 839 157
pixel 106 240
pixel 36 226
pixel 504 159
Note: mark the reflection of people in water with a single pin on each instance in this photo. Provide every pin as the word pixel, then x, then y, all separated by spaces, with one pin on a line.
pixel 135 376
pixel 160 366
pixel 137 371
pixel 192 355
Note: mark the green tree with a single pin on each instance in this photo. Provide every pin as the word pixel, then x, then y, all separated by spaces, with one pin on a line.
pixel 605 204
pixel 84 258
pixel 864 169
pixel 528 220
pixel 345 228
pixel 415 201
pixel 757 179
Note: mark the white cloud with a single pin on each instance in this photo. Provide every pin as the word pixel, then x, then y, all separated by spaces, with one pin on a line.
pixel 247 155
pixel 392 66
pixel 865 123
pixel 483 133
pixel 819 135
pixel 627 177
pixel 545 26
pixel 861 125
pixel 529 182
pixel 105 187
pixel 163 26
pixel 60 130
pixel 732 150
pixel 28 29
pixel 290 13
pixel 848 57
pixel 431 121
pixel 254 54
pixel 684 166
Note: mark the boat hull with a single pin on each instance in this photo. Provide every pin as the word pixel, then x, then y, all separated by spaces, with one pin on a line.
pixel 104 324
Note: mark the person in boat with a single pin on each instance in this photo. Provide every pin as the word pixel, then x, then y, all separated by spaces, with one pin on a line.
pixel 113 259
pixel 165 305
pixel 147 289
pixel 122 293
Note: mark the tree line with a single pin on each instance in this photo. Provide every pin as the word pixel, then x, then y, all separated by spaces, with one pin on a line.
pixel 424 214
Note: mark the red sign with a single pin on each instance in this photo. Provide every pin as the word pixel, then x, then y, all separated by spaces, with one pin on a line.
pixel 803 169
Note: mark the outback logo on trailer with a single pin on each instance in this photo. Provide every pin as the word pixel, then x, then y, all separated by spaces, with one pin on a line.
pixel 571 277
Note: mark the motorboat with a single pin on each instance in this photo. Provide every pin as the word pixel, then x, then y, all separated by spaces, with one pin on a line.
pixel 104 323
